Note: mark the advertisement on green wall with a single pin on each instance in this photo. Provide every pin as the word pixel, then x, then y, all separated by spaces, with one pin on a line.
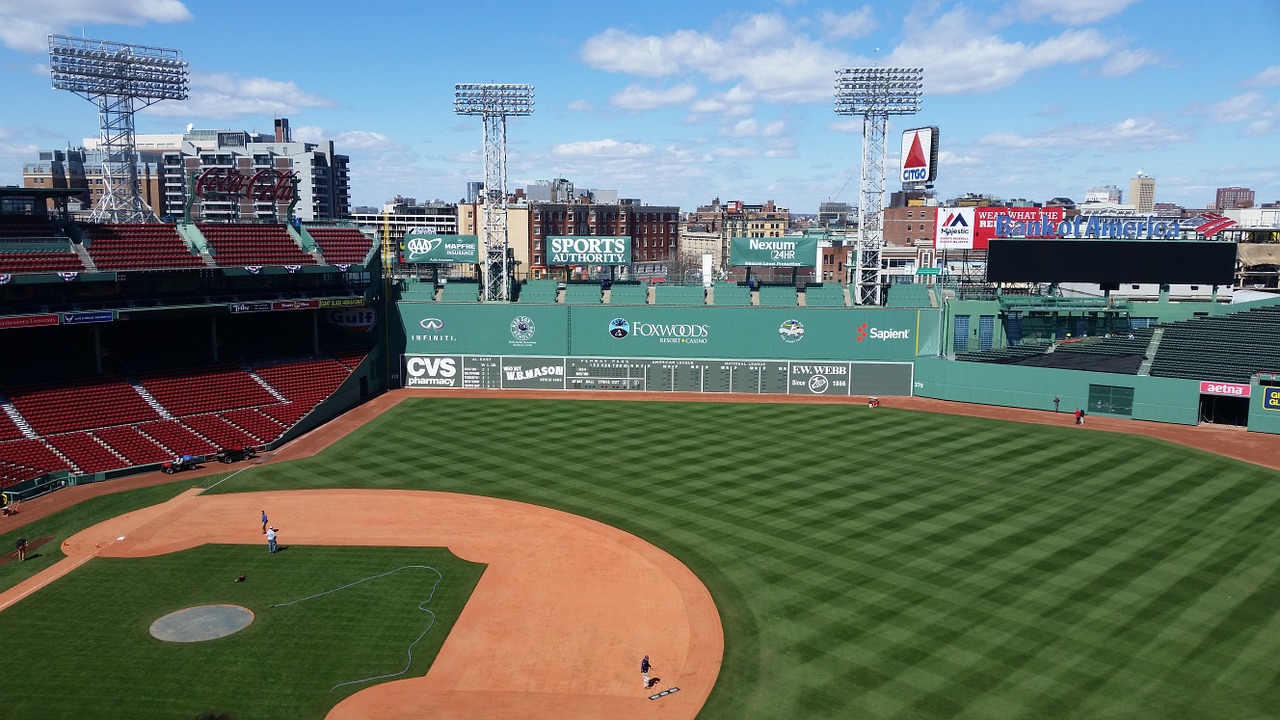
pixel 423 248
pixel 588 250
pixel 485 329
pixel 783 333
pixel 773 252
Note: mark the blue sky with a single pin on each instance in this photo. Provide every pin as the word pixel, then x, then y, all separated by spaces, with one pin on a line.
pixel 680 102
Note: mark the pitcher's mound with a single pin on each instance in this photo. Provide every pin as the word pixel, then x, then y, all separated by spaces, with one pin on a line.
pixel 202 622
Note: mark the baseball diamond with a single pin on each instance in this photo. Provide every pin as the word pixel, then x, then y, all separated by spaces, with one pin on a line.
pixel 1038 582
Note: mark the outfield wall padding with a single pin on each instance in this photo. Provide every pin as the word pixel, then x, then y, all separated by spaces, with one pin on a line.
pixel 1167 400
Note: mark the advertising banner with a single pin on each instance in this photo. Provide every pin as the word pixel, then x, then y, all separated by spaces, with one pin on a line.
pixel 295 304
pixel 969 228
pixel 773 252
pixel 79 318
pixel 920 155
pixel 445 249
pixel 342 302
pixel 1224 388
pixel 588 250
pixel 449 329
pixel 21 321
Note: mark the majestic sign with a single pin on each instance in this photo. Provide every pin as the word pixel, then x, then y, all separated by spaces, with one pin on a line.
pixel 773 252
pixel 1224 388
pixel 920 155
pixel 954 230
pixel 969 228
pixel 431 248
pixel 262 186
pixel 588 250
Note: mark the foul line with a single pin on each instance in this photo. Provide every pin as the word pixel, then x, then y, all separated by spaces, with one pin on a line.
pixel 409 659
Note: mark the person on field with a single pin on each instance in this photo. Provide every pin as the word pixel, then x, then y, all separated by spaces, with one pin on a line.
pixel 1055 403
pixel 1079 416
pixel 645 667
pixel 22 549
pixel 264 522
pixel 271 539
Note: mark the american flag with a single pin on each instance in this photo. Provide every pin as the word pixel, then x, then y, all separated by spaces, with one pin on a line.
pixel 1209 224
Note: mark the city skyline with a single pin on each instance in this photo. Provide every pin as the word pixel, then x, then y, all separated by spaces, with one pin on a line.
pixel 685 103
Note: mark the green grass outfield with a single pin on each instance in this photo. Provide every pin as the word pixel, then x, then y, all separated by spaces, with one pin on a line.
pixel 886 563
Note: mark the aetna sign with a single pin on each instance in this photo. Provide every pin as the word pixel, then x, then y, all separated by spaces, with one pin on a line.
pixel 1220 388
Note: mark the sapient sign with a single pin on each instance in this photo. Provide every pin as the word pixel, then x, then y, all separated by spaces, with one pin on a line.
pixel 588 250
pixel 431 248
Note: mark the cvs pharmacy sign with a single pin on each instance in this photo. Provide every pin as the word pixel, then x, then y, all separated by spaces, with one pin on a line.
pixel 423 371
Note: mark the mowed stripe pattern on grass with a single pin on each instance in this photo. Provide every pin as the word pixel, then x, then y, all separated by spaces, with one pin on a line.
pixel 890 564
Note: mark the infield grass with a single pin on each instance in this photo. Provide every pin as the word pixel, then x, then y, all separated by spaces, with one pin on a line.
pixel 887 564
pixel 80 648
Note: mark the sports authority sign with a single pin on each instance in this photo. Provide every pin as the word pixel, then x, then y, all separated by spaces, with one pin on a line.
pixel 1224 388
pixel 920 155
pixel 588 250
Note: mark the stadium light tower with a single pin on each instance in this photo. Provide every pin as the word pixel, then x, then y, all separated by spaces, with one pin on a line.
pixel 875 93
pixel 119 78
pixel 494 103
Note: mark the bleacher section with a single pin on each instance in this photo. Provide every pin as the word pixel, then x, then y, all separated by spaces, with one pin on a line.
pixel 80 406
pixel 86 453
pixel 908 295
pixel 1225 348
pixel 539 291
pixel 582 294
pixel 1119 355
pixel 138 247
pixel 25 459
pixel 29 263
pixel 629 294
pixel 730 294
pixel 774 296
pixel 826 295
pixel 341 245
pixel 460 292
pixel 253 245
pixel 205 390
pixel 129 441
pixel 679 295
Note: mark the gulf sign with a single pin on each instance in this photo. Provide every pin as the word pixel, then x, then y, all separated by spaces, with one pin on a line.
pixel 920 155
pixel 972 228
pixel 1224 388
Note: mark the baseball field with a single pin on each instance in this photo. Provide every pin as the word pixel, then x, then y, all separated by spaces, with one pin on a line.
pixel 864 563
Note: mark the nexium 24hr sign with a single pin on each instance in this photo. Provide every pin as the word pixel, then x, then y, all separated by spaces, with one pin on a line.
pixel 428 248
pixel 588 250
pixel 773 252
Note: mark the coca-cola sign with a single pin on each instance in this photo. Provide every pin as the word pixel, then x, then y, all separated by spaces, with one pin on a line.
pixel 261 186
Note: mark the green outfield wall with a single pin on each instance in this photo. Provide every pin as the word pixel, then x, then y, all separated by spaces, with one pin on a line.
pixel 1159 399
pixel 669 332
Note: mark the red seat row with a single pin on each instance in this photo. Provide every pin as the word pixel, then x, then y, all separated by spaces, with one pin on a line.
pixel 96 403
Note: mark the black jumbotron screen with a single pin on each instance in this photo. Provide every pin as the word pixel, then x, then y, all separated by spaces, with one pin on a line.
pixel 1111 261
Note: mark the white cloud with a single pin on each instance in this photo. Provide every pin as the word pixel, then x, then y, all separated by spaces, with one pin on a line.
pixel 1130 134
pixel 1267 78
pixel 348 141
pixel 1260 113
pixel 1126 62
pixel 607 148
pixel 581 106
pixel 25 26
pixel 1071 12
pixel 985 62
pixel 635 97
pixel 736 153
pixel 218 96
pixel 849 26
